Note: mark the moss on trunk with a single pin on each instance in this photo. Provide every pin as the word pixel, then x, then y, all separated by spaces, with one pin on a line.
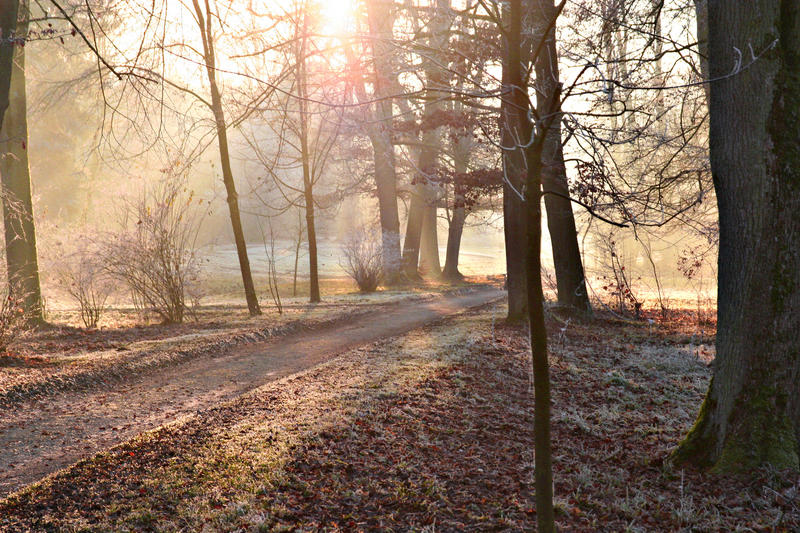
pixel 765 435
pixel 696 448
pixel 760 432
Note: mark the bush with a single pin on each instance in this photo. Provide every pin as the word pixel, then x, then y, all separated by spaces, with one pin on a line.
pixel 12 319
pixel 84 277
pixel 362 260
pixel 153 253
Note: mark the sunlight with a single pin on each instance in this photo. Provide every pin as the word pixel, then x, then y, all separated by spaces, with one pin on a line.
pixel 338 16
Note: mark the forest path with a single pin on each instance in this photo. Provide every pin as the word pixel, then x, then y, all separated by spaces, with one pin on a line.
pixel 40 437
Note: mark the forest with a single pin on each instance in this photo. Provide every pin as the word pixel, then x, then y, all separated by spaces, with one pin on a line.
pixel 399 265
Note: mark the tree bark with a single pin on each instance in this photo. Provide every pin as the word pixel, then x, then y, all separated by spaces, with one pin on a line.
pixel 560 218
pixel 380 22
pixel 701 20
pixel 454 233
pixel 751 414
pixel 204 22
pixel 513 205
pixel 429 263
pixel 20 231
pixel 9 9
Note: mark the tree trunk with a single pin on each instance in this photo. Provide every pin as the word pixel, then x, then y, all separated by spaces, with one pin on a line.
pixel 380 28
pixel 454 233
pixel 461 153
pixel 513 205
pixel 9 9
pixel 545 517
pixel 386 185
pixel 560 218
pixel 751 414
pixel 204 21
pixel 701 19
pixel 20 232
pixel 308 182
pixel 429 244
pixel 422 211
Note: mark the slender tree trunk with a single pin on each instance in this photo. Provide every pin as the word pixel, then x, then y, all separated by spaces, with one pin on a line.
pixel 413 234
pixel 297 245
pixel 560 218
pixel 20 232
pixel 545 517
pixel 751 414
pixel 204 21
pixel 308 182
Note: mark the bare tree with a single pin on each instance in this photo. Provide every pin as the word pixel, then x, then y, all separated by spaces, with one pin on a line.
pixel 20 232
pixel 204 18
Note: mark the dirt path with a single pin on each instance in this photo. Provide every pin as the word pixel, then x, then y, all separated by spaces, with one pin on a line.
pixel 40 437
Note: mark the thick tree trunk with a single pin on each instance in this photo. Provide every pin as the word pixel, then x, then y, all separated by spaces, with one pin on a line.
pixel 380 28
pixel 560 218
pixel 513 205
pixel 206 34
pixel 751 414
pixel 20 231
pixel 701 20
pixel 461 154
pixel 422 211
pixel 386 185
pixel 454 233
pixel 429 263
pixel 9 9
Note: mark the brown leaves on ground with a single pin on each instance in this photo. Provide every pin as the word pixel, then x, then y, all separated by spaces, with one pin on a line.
pixel 428 432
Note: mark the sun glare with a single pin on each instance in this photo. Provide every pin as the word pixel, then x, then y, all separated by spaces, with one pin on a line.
pixel 338 16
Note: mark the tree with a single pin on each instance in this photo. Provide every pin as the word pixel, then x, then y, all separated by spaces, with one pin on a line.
pixel 204 22
pixel 420 246
pixel 380 21
pixel 302 122
pixel 513 206
pixel 751 413
pixel 531 139
pixel 20 231
pixel 560 219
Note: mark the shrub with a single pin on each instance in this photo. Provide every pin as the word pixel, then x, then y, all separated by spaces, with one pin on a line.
pixel 362 260
pixel 85 278
pixel 153 253
pixel 12 319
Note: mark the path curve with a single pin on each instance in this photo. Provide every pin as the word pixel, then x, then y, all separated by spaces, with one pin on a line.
pixel 42 436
